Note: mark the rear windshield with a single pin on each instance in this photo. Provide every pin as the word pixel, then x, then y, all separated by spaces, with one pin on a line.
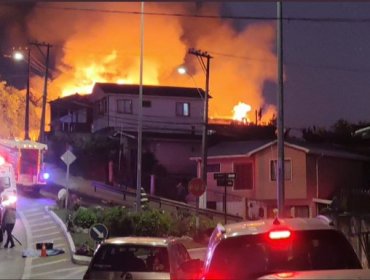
pixel 247 257
pixel 128 257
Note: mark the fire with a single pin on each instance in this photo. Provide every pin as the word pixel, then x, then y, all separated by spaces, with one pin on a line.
pixel 90 72
pixel 106 48
pixel 241 112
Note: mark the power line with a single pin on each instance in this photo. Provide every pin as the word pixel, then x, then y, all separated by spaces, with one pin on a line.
pixel 264 18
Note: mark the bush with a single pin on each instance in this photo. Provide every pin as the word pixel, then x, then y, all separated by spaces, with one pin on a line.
pixel 118 220
pixel 152 223
pixel 85 217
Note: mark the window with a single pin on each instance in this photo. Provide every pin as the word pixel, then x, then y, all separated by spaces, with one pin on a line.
pixel 183 109
pixel 147 103
pixel 124 106
pixel 213 168
pixel 101 106
pixel 287 170
pixel 244 176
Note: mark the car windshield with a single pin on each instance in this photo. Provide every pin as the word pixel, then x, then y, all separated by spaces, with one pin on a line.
pixel 129 257
pixel 251 256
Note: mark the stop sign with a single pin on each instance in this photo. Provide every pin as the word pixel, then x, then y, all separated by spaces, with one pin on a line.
pixel 196 187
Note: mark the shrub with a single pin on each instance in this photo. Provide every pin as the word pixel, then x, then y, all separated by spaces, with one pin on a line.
pixel 85 217
pixel 119 221
pixel 152 223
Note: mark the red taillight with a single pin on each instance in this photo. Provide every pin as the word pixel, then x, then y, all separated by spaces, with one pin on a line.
pixel 280 239
pixel 280 234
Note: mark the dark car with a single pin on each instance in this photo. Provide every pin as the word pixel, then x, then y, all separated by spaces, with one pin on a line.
pixel 251 249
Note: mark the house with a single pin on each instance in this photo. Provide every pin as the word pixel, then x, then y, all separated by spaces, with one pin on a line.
pixel 172 123
pixel 71 114
pixel 313 174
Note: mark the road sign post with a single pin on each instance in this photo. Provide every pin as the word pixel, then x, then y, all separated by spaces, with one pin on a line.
pixel 68 157
pixel 197 187
pixel 98 232
pixel 225 180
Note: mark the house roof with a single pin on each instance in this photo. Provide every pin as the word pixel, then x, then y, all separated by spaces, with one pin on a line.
pixel 80 100
pixel 151 90
pixel 248 148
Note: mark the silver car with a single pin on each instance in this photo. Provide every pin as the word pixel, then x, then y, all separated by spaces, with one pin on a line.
pixel 131 258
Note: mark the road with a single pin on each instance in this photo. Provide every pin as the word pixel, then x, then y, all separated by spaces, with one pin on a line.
pixel 35 225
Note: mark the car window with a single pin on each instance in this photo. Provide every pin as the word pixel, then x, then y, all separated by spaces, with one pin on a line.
pixel 128 257
pixel 255 255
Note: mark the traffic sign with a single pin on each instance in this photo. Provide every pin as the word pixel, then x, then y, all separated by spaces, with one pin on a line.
pixel 196 187
pixel 225 183
pixel 98 232
pixel 224 176
pixel 68 157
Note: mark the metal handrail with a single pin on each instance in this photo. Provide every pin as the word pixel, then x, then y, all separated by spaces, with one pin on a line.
pixel 164 201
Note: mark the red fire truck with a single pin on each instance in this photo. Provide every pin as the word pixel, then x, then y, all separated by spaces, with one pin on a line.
pixel 26 157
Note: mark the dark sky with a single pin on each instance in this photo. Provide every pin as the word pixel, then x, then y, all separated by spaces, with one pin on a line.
pixel 326 63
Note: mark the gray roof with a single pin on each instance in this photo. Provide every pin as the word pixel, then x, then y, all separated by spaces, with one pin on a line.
pixel 236 148
pixel 248 148
pixel 151 90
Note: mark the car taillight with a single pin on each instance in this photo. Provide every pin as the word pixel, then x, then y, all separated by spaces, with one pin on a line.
pixel 280 239
pixel 280 234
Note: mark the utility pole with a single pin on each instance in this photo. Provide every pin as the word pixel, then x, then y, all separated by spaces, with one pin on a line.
pixel 42 123
pixel 27 112
pixel 140 117
pixel 280 120
pixel 201 55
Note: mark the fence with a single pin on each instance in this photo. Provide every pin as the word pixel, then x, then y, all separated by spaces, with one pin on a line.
pixel 128 195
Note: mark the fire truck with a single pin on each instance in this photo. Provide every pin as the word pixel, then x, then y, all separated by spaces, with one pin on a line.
pixel 26 157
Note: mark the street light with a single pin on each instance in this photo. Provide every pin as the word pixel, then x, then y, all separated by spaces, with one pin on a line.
pixel 18 55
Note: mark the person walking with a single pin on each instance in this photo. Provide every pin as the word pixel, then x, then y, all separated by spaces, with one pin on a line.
pixel 8 224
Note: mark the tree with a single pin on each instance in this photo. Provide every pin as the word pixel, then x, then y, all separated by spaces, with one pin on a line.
pixel 12 112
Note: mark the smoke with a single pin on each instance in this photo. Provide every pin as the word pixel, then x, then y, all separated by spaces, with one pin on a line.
pixel 101 46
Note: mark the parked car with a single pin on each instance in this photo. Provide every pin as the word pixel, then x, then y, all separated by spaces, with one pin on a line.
pixel 131 258
pixel 251 249
pixel 343 274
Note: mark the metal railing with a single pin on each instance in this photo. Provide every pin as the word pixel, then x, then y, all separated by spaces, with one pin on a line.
pixel 168 204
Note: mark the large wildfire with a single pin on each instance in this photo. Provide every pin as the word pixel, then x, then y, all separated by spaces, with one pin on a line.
pixel 104 46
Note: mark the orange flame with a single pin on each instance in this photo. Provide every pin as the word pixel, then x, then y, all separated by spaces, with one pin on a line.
pixel 241 111
pixel 106 48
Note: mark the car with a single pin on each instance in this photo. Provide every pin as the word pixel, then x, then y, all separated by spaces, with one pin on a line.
pixel 343 274
pixel 251 249
pixel 131 258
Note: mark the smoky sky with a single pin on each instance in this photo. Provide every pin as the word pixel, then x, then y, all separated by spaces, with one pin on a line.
pixel 326 63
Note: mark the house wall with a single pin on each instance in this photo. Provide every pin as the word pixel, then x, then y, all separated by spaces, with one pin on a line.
pixel 160 117
pixel 328 175
pixel 294 188
pixel 175 155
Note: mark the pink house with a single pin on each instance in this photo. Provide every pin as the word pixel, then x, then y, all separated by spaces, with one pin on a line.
pixel 313 174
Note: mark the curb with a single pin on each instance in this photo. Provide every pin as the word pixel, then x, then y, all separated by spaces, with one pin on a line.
pixel 77 259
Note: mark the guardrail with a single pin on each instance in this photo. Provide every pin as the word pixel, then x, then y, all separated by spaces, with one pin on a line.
pixel 160 202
